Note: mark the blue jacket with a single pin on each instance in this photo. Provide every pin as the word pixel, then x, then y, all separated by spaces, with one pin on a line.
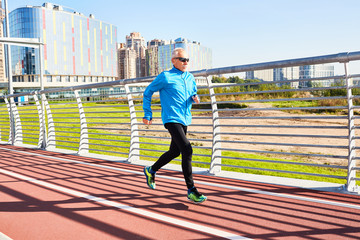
pixel 176 90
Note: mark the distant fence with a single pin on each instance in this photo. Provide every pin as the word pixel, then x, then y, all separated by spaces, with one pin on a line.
pixel 249 127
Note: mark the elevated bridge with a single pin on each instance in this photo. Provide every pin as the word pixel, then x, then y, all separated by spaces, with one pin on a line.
pixel 71 166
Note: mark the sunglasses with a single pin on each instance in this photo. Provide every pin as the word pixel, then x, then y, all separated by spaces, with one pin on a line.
pixel 183 59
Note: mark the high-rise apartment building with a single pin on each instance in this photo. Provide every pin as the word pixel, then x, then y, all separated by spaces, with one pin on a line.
pixel 158 55
pixel 152 57
pixel 2 55
pixel 137 42
pixel 127 62
pixel 77 49
pixel 200 56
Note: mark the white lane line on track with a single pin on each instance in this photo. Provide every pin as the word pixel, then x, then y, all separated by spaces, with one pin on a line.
pixel 282 195
pixel 4 237
pixel 174 221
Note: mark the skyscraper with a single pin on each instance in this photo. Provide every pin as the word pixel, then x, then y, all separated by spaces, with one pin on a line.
pixel 127 62
pixel 200 56
pixel 137 42
pixel 77 49
pixel 156 57
pixel 2 55
pixel 152 55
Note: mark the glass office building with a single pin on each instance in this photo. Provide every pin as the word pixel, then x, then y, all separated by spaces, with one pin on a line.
pixel 200 56
pixel 293 73
pixel 77 48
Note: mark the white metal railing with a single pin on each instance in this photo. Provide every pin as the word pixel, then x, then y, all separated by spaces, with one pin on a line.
pixel 226 135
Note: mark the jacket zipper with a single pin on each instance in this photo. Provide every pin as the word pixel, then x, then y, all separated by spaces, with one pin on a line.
pixel 186 102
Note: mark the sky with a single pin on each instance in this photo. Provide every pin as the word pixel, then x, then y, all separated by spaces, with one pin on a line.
pixel 238 31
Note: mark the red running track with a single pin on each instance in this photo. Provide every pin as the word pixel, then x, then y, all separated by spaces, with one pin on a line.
pixel 48 195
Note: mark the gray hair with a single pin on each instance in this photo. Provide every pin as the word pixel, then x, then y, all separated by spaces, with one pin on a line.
pixel 176 52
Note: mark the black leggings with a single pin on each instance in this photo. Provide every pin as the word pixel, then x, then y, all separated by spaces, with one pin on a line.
pixel 179 144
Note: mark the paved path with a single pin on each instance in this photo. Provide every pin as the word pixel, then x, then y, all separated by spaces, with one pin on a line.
pixel 48 195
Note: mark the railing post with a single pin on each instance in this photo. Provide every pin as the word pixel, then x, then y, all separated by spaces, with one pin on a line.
pixel 18 136
pixel 215 167
pixel 42 129
pixel 51 140
pixel 134 136
pixel 351 175
pixel 84 137
pixel 11 119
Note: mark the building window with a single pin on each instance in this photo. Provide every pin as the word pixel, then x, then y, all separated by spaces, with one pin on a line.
pixel 49 78
pixel 58 78
pixel 76 79
pixel 67 78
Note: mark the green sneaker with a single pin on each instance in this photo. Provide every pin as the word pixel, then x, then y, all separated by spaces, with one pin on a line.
pixel 195 196
pixel 150 178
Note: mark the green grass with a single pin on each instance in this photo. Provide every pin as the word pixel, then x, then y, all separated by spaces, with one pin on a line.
pixel 287 104
pixel 122 148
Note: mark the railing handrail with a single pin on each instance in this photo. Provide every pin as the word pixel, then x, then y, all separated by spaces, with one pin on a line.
pixel 332 58
pixel 339 57
pixel 52 131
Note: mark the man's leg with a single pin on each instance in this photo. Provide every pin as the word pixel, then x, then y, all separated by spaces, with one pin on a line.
pixel 178 135
pixel 166 157
pixel 178 138
pixel 162 161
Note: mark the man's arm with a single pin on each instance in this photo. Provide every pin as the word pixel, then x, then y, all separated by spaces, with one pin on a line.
pixel 154 86
pixel 195 97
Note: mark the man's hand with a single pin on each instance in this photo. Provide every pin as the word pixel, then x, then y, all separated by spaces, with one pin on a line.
pixel 196 99
pixel 147 122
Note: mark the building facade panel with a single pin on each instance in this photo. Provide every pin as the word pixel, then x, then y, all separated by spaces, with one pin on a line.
pixel 2 55
pixel 74 45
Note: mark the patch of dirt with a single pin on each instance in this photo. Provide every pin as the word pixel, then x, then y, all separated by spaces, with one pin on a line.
pixel 257 131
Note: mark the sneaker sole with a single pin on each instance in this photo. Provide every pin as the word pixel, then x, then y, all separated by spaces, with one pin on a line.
pixel 147 179
pixel 195 201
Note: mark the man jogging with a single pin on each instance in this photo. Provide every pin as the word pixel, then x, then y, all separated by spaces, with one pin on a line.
pixel 177 90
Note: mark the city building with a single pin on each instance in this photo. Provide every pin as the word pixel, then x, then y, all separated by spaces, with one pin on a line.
pixel 152 56
pixel 294 73
pixel 2 55
pixel 127 62
pixel 156 57
pixel 263 75
pixel 316 71
pixel 77 49
pixel 290 73
pixel 200 56
pixel 136 42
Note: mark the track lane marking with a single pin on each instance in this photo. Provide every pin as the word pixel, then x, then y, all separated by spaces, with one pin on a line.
pixel 4 237
pixel 102 201
pixel 282 195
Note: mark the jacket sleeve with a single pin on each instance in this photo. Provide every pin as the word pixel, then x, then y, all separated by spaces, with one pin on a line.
pixel 194 90
pixel 154 86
